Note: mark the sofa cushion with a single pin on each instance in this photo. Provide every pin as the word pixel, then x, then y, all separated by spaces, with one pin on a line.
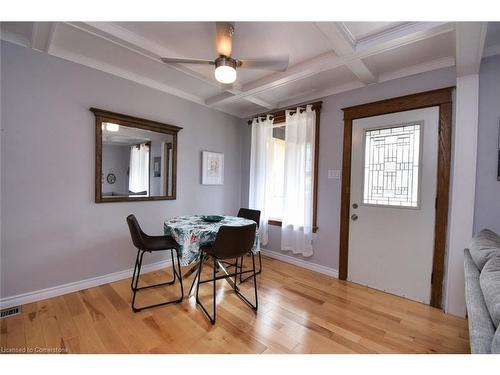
pixel 483 246
pixel 490 286
pixel 481 328
pixel 495 344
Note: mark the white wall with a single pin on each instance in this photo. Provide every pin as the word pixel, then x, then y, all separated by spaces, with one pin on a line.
pixel 53 232
pixel 462 190
pixel 487 205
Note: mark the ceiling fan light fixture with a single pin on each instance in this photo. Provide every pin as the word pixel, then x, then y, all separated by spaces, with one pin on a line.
pixel 225 70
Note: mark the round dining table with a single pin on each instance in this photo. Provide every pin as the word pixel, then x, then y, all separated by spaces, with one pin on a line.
pixel 192 232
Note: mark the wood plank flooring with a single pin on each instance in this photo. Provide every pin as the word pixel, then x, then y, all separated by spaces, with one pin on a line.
pixel 300 311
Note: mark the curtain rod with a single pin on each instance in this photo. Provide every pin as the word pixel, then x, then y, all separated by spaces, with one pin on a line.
pixel 281 111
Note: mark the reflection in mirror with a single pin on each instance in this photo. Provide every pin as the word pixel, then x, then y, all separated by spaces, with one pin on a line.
pixel 277 172
pixel 136 163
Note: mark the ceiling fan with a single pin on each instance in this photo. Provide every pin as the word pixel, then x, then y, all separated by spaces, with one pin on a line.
pixel 225 64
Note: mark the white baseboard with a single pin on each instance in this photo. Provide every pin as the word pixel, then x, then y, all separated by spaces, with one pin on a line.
pixel 301 263
pixel 60 290
pixel 38 295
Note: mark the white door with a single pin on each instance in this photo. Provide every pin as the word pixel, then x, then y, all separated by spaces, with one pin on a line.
pixel 393 192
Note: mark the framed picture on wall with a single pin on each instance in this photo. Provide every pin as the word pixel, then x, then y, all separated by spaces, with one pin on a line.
pixel 212 168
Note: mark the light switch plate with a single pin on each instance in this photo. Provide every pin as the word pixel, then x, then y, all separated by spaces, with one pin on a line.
pixel 334 174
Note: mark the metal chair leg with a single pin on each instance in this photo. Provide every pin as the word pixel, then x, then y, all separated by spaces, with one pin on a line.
pixel 174 271
pixel 255 279
pixel 180 273
pixel 135 270
pixel 135 288
pixel 196 277
pixel 257 273
pixel 214 290
pixel 161 284
pixel 212 319
pixel 200 265
pixel 241 268
pixel 193 283
pixel 254 275
pixel 238 272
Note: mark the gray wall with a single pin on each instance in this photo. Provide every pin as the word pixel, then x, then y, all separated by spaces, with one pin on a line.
pixel 487 205
pixel 52 231
pixel 326 240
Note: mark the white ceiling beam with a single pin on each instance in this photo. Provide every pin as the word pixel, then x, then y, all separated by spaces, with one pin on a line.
pixel 127 74
pixel 311 95
pixel 137 43
pixel 404 36
pixel 338 36
pixel 299 71
pixel 323 93
pixel 42 35
pixel 297 98
pixel 470 37
pixel 263 103
pixel 411 32
pixel 341 43
pixel 14 38
pixel 133 42
pixel 444 62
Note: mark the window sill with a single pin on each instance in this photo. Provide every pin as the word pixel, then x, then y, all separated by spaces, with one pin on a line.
pixel 278 223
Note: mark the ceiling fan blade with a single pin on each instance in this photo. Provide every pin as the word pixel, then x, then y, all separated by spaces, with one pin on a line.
pixel 277 64
pixel 175 60
pixel 224 38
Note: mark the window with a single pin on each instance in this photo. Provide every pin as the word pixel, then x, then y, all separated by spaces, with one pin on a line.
pixel 268 189
pixel 391 166
pixel 277 173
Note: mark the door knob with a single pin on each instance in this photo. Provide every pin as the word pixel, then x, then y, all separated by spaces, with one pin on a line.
pixel 354 217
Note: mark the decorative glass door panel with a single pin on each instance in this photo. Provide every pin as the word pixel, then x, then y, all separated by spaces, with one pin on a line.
pixel 391 166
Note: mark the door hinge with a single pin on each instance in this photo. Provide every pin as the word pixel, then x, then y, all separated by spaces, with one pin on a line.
pixel 436 203
pixel 432 278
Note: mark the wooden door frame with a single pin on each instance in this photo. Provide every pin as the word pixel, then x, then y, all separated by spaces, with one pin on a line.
pixel 441 98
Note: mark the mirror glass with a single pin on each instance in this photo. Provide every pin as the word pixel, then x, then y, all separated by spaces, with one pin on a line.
pixel 135 162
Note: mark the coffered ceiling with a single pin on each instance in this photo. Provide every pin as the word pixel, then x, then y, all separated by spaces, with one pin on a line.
pixel 325 57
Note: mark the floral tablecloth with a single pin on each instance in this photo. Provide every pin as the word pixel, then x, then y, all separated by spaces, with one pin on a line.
pixel 191 232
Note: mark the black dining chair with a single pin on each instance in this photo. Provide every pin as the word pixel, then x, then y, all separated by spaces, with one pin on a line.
pixel 254 215
pixel 145 243
pixel 230 243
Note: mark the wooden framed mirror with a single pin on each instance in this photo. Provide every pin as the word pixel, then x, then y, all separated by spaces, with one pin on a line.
pixel 135 158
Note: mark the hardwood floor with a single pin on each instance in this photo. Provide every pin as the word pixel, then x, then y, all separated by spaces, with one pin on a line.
pixel 300 311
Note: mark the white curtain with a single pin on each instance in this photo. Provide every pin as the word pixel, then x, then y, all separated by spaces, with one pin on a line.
pixel 138 179
pixel 260 171
pixel 296 230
